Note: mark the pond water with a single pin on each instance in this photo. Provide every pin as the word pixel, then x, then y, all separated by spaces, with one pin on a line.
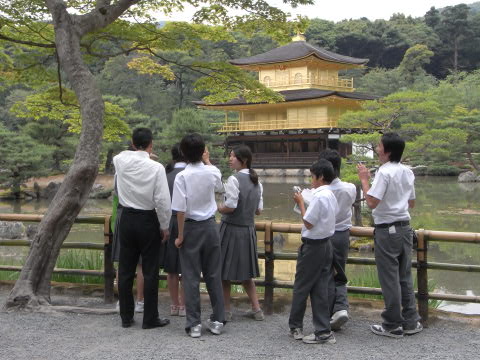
pixel 442 204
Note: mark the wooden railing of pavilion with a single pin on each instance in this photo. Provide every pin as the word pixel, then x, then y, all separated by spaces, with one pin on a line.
pixel 269 282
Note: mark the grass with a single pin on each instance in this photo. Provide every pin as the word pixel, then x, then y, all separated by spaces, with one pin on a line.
pixel 368 277
pixel 79 259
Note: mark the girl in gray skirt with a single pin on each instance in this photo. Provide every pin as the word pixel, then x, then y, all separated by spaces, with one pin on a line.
pixel 243 199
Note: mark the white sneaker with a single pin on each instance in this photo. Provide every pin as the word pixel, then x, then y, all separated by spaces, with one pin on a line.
pixel 327 338
pixel 215 327
pixel 182 311
pixel 380 330
pixel 410 331
pixel 139 306
pixel 338 320
pixel 256 315
pixel 196 331
pixel 296 333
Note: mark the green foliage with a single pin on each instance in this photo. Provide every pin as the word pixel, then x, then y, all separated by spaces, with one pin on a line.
pixel 187 121
pixel 79 259
pixel 48 105
pixel 21 158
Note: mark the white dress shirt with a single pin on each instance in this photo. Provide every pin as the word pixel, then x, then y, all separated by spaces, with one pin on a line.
pixel 321 214
pixel 194 191
pixel 232 189
pixel 142 184
pixel 393 185
pixel 345 193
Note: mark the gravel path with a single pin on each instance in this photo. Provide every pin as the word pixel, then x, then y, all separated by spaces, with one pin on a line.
pixel 66 336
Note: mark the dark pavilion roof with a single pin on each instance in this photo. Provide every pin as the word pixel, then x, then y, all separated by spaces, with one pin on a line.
pixel 299 95
pixel 294 51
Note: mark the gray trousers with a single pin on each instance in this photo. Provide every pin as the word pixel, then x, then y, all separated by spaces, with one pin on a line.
pixel 337 286
pixel 314 265
pixel 201 253
pixel 393 255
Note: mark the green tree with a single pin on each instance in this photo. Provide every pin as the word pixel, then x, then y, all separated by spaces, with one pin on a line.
pixel 187 121
pixel 21 158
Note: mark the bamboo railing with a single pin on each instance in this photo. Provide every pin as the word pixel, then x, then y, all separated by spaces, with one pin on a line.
pixel 269 282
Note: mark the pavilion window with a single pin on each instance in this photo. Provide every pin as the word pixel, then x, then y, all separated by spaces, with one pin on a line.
pixel 298 78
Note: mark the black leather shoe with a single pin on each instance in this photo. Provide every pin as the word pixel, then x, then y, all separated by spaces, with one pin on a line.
pixel 128 323
pixel 157 323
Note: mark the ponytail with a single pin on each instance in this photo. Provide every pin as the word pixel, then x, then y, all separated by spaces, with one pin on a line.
pixel 253 176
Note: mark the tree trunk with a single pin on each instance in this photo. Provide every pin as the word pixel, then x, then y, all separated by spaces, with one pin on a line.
pixel 455 55
pixel 109 162
pixel 32 289
pixel 357 208
pixel 472 161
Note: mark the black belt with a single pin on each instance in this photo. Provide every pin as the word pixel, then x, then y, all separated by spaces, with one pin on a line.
pixel 135 211
pixel 199 221
pixel 396 223
pixel 314 241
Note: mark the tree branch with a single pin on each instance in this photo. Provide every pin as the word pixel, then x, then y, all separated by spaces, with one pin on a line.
pixel 103 15
pixel 30 43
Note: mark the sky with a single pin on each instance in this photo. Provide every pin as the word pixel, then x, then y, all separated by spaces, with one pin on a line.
pixel 338 10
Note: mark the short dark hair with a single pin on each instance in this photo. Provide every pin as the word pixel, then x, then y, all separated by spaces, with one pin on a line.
pixel 192 147
pixel 393 144
pixel 323 168
pixel 177 156
pixel 142 138
pixel 334 157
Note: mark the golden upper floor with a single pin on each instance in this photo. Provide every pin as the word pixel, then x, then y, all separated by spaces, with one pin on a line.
pixel 300 65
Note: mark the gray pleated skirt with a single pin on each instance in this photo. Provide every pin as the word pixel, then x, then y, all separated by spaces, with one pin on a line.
pixel 172 258
pixel 239 252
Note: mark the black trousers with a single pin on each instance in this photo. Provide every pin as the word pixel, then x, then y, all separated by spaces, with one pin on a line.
pixel 139 232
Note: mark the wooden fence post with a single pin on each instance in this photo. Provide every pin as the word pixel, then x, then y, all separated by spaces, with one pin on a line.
pixel 108 269
pixel 269 269
pixel 422 276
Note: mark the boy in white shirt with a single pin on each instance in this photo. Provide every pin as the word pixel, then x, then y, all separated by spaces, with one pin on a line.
pixel 198 238
pixel 345 193
pixel 314 261
pixel 391 195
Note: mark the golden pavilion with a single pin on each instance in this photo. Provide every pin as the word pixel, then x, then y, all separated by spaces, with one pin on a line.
pixel 292 133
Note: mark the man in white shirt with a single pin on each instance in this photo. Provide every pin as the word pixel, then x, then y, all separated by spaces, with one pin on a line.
pixel 145 200
pixel 345 193
pixel 198 238
pixel 314 261
pixel 391 195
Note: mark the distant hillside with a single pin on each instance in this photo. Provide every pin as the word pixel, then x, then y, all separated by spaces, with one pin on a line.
pixel 475 7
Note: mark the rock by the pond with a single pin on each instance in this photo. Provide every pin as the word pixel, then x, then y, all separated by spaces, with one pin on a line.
pixel 31 231
pixel 12 230
pixel 468 176
pixel 50 191
pixel 278 241
pixel 101 194
pixel 97 187
pixel 365 248
pixel 419 169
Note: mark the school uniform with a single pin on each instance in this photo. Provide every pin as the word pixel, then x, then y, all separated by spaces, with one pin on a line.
pixel 194 194
pixel 172 257
pixel 145 208
pixel 314 262
pixel 345 193
pixel 237 229
pixel 393 185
